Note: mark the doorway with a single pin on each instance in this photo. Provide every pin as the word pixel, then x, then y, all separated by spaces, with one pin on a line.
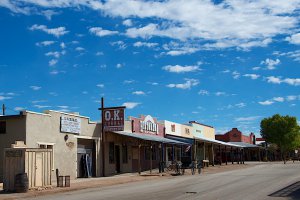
pixel 118 159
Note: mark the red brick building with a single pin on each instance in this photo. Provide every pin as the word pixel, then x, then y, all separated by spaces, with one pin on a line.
pixel 236 136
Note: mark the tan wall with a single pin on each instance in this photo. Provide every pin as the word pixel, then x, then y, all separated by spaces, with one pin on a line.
pixel 45 128
pixel 15 130
pixel 186 131
pixel 118 140
pixel 209 132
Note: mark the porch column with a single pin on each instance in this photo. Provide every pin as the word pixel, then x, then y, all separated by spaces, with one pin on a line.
pixel 151 158
pixel 139 162
pixel 231 156
pixel 204 151
pixel 173 152
pixel 226 155
pixel 213 154
pixel 220 153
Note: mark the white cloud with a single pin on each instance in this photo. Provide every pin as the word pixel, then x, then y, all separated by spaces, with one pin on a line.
pixel 240 105
pixel 292 81
pixel 129 81
pixel 121 45
pixel 41 106
pixel 187 85
pixel 236 75
pixel 243 119
pixel 130 105
pixel 153 83
pixel 55 54
pixel 79 49
pixel 294 39
pixel 98 31
pixel 49 13
pixel 127 22
pixel 266 103
pixel 34 87
pixel 291 54
pixel 271 64
pixel 100 85
pixel 19 108
pixel 256 68
pixel 57 32
pixel 99 53
pixel 203 92
pixel 53 62
pixel 44 43
pixel 55 72
pixel 278 80
pixel 291 98
pixel 145 44
pixel 252 76
pixel 180 69
pixel 220 93
pixel 62 45
pixel 119 65
pixel 273 79
pixel 278 99
pixel 138 93
pixel 226 71
pixel 225 24
pixel 2 98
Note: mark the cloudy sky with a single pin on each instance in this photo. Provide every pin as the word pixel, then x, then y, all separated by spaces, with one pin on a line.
pixel 222 63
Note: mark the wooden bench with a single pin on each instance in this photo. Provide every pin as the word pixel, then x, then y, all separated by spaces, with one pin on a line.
pixel 205 163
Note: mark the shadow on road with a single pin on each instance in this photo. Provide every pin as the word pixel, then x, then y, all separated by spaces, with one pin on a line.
pixel 292 191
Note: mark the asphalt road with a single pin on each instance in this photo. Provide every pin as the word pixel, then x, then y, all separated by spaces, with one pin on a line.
pixel 265 181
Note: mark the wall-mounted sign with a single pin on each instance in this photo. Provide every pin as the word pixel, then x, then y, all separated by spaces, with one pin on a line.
pixel 148 125
pixel 113 119
pixel 70 124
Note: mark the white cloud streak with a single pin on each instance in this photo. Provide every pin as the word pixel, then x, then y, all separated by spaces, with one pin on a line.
pixel 57 32
pixel 98 31
pixel 130 105
pixel 180 69
pixel 187 85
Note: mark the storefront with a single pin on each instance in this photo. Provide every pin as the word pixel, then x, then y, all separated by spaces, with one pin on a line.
pixel 140 147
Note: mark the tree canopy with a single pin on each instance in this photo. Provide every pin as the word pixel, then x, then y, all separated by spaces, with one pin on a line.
pixel 281 130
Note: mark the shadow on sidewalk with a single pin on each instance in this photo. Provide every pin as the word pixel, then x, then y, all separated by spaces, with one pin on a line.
pixel 292 191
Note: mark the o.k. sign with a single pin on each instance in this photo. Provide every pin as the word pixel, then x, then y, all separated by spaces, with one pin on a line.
pixel 113 119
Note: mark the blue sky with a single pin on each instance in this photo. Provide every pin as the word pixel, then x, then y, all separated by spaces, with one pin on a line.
pixel 222 63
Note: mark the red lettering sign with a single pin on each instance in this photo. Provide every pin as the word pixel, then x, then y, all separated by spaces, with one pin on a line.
pixel 113 119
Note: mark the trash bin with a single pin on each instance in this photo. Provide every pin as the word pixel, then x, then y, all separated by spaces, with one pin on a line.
pixel 60 181
pixel 67 181
pixel 21 182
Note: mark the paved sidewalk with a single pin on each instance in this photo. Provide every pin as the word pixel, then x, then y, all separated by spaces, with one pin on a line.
pixel 84 183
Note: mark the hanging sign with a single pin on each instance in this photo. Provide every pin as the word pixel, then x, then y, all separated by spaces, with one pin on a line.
pixel 113 119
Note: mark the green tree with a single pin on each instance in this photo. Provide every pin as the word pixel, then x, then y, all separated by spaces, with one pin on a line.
pixel 282 131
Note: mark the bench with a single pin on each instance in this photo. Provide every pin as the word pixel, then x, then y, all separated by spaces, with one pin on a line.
pixel 205 163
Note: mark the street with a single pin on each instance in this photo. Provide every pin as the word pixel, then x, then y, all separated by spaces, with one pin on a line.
pixel 259 182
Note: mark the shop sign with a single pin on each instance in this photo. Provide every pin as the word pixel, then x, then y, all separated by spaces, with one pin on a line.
pixel 113 119
pixel 148 125
pixel 70 124
pixel 13 153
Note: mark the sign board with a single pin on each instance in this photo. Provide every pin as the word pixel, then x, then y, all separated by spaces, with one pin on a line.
pixel 148 125
pixel 113 119
pixel 70 124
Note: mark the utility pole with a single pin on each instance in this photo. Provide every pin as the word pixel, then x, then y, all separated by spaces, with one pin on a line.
pixel 3 109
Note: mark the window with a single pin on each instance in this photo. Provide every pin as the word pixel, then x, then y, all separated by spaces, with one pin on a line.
pixel 124 154
pixel 43 145
pixel 2 127
pixel 173 127
pixel 111 152
pixel 187 131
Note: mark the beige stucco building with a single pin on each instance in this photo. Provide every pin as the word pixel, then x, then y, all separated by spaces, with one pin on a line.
pixel 74 140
